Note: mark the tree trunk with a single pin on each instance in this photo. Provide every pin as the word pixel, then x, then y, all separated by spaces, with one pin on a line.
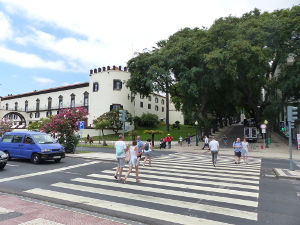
pixel 167 112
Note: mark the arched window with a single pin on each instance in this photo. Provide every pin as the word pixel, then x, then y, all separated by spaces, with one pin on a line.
pixel 72 100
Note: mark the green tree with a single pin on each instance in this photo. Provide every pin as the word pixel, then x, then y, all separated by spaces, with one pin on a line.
pixel 152 132
pixel 100 125
pixel 113 118
pixel 149 120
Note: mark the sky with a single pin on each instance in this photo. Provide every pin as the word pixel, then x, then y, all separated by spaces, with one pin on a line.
pixel 52 43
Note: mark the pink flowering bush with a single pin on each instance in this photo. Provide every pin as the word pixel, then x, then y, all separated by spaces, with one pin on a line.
pixel 65 123
pixel 5 126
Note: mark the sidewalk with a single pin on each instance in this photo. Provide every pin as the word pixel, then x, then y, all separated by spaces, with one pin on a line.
pixel 278 149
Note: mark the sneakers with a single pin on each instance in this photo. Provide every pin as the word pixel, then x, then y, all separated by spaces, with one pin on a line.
pixel 143 164
pixel 115 177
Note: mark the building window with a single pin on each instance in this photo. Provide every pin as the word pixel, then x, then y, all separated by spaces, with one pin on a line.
pixel 72 100
pixel 48 113
pixel 6 106
pixel 117 84
pixel 141 104
pixel 30 115
pixel 15 116
pixel 26 106
pixel 60 102
pixel 85 99
pixel 156 100
pixel 149 106
pixel 37 115
pixel 16 106
pixel 37 105
pixel 162 109
pixel 162 101
pixel 142 96
pixel 49 103
pixel 115 106
pixel 149 98
pixel 95 86
pixel 156 108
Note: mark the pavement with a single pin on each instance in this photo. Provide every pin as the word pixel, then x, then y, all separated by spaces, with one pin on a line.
pixel 277 149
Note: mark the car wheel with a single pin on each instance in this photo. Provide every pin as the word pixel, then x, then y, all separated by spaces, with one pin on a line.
pixel 57 160
pixel 35 158
pixel 2 166
pixel 8 155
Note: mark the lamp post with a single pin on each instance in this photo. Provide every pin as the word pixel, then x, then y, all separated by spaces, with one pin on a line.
pixel 266 122
pixel 197 140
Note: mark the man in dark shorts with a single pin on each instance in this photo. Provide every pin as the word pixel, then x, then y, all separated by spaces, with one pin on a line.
pixel 237 145
pixel 140 146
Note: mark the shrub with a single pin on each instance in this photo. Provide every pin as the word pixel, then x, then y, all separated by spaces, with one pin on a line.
pixel 149 120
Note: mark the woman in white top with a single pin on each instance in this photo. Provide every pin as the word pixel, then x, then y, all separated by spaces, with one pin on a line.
pixel 245 150
pixel 134 152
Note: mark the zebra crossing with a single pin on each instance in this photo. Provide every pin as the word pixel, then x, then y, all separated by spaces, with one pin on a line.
pixel 181 188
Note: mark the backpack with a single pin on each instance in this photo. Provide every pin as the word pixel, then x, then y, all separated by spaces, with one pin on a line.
pixel 147 146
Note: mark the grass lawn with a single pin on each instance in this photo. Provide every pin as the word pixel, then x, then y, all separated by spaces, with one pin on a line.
pixel 175 133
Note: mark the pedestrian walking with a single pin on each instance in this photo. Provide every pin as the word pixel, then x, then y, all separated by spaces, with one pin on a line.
pixel 169 140
pixel 140 146
pixel 188 140
pixel 148 152
pixel 205 142
pixel 120 147
pixel 214 149
pixel 237 145
pixel 245 150
pixel 180 140
pixel 133 162
pixel 225 140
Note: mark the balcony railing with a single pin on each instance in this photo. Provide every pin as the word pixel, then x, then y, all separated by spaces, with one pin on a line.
pixel 41 109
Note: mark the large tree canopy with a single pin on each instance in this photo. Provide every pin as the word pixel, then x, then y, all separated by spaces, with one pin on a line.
pixel 221 70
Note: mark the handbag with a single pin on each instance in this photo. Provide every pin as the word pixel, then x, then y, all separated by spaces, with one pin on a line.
pixel 127 156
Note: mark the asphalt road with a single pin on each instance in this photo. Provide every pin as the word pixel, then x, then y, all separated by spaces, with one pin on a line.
pixel 278 201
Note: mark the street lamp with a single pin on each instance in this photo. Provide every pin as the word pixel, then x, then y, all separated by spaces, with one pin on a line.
pixel 197 140
pixel 266 122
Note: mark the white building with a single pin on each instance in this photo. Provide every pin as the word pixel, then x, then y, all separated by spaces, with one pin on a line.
pixel 104 91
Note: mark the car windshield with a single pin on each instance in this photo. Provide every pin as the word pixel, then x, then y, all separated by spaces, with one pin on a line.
pixel 43 139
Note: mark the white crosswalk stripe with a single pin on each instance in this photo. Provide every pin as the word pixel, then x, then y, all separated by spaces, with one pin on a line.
pixel 176 189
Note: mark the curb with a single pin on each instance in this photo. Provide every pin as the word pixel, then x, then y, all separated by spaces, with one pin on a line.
pixel 287 174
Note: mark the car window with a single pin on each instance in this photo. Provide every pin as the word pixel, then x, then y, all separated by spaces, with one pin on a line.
pixel 43 139
pixel 7 138
pixel 17 139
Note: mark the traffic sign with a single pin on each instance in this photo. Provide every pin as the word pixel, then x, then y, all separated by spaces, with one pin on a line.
pixel 263 126
pixel 81 125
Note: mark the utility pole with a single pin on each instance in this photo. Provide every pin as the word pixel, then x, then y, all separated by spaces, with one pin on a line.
pixel 291 117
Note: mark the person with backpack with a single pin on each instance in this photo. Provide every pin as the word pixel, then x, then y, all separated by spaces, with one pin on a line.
pixel 148 152
pixel 237 145
pixel 121 148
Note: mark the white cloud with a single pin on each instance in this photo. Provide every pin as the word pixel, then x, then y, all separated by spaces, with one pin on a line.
pixel 113 30
pixel 26 60
pixel 43 80
pixel 5 28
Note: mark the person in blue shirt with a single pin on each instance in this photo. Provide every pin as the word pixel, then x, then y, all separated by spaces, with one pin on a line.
pixel 237 145
pixel 140 146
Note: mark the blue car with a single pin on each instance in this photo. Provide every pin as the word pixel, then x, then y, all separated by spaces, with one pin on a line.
pixel 35 146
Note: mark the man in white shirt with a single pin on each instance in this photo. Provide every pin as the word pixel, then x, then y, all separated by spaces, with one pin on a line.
pixel 120 147
pixel 214 149
pixel 205 142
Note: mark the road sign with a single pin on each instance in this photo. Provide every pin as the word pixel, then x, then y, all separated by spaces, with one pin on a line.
pixel 81 125
pixel 263 126
pixel 263 131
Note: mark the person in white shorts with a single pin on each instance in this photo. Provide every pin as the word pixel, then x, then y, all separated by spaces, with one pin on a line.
pixel 120 147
